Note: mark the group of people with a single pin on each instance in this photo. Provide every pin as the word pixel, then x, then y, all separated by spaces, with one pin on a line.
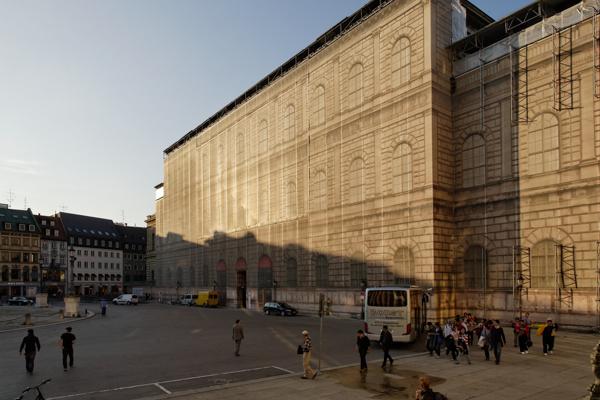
pixel 31 345
pixel 460 334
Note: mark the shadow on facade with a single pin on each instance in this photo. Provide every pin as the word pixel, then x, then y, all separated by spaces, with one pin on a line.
pixel 247 272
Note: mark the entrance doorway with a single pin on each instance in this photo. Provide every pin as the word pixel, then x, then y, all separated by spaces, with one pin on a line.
pixel 241 289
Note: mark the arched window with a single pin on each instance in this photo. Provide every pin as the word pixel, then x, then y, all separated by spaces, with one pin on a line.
pixel 475 264
pixel 404 266
pixel 289 123
pixel 543 144
pixel 400 62
pixel 473 161
pixel 543 264
pixel 402 168
pixel 319 191
pixel 355 85
pixel 265 272
pixel 240 145
pixel 358 271
pixel 291 205
pixel 322 271
pixel 291 266
pixel 355 184
pixel 319 106
pixel 263 138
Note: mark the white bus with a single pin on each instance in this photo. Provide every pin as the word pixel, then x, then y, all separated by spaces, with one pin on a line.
pixel 397 307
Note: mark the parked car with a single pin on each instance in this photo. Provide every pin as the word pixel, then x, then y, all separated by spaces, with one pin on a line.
pixel 19 301
pixel 128 299
pixel 188 299
pixel 279 308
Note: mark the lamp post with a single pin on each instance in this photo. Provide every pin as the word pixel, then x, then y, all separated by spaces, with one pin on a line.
pixel 274 290
pixel 68 282
pixel 520 290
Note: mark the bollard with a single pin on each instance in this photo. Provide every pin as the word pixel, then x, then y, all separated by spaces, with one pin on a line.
pixel 27 319
pixel 594 388
pixel 61 313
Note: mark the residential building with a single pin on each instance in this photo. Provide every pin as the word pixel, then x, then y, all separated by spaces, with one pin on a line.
pixel 53 254
pixel 133 240
pixel 150 249
pixel 415 142
pixel 19 253
pixel 97 269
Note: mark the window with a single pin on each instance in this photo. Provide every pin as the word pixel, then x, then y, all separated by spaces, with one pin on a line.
pixel 78 252
pixel 7 226
pixel 473 161
pixel 543 144
pixel 22 227
pixel 387 298
pixel 289 123
pixel 265 272
pixel 118 255
pixel 263 138
pixel 355 184
pixel 80 241
pixel 72 240
pixel 93 264
pixel 358 271
pixel 47 232
pixel 56 232
pixel 475 267
pixel 92 253
pixel 402 168
pixel 126 246
pixel 85 264
pixel 319 106
pixel 88 242
pixel 404 266
pixel 78 264
pixel 85 252
pixel 291 200
pixel 43 222
pixel 31 228
pixel 355 85
pixel 322 271
pixel 400 62
pixel 51 223
pixel 318 190
pixel 291 267
pixel 543 264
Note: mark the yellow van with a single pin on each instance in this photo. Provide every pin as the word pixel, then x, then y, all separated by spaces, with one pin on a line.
pixel 207 299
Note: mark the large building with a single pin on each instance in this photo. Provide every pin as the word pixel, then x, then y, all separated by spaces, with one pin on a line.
pixel 133 240
pixel 19 253
pixel 150 249
pixel 415 142
pixel 97 269
pixel 54 255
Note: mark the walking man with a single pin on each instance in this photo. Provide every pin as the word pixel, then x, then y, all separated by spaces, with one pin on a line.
pixel 31 344
pixel 67 340
pixel 497 340
pixel 306 354
pixel 362 345
pixel 548 332
pixel 385 341
pixel 237 336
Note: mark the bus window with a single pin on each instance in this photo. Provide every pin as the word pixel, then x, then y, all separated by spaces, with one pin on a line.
pixel 387 298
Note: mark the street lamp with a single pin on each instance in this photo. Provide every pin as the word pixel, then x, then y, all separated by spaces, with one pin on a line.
pixel 72 259
pixel 274 290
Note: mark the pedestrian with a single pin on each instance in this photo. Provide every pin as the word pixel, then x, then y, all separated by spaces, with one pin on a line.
pixel 385 341
pixel 362 345
pixel 67 340
pixel 548 332
pixel 523 338
pixel 425 392
pixel 484 339
pixel 439 339
pixel 103 307
pixel 31 344
pixel 306 354
pixel 430 335
pixel 448 336
pixel 516 325
pixel 237 335
pixel 497 340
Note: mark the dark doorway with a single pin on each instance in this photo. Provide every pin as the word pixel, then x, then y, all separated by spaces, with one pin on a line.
pixel 241 289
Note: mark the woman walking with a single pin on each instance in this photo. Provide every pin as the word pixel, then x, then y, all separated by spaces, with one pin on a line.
pixel 306 354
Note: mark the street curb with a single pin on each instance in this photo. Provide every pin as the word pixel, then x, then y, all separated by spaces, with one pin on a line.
pixel 91 314
pixel 213 388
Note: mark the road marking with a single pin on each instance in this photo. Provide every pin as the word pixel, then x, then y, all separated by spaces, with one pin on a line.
pixel 287 342
pixel 283 369
pixel 132 333
pixel 195 331
pixel 162 388
pixel 159 384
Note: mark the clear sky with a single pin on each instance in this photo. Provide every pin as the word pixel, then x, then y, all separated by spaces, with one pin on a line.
pixel 92 92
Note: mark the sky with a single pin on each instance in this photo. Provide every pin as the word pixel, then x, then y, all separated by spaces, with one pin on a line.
pixel 92 92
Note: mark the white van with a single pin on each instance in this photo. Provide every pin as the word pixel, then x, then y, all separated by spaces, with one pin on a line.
pixel 188 299
pixel 126 299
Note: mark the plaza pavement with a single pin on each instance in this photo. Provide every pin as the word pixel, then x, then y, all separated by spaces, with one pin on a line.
pixel 565 375
pixel 12 317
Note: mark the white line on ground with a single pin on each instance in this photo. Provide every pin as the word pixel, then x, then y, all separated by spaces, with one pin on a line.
pixel 195 331
pixel 283 369
pixel 162 388
pixel 159 384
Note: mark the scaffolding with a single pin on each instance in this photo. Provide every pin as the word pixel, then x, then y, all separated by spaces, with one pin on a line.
pixel 521 276
pixel 519 85
pixel 598 285
pixel 562 61
pixel 596 51
pixel 566 276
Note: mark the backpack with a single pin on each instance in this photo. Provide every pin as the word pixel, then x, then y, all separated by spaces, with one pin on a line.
pixel 439 396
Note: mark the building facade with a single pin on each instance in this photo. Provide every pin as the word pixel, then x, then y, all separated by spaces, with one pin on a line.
pixel 97 268
pixel 151 249
pixel 19 253
pixel 53 255
pixel 396 150
pixel 133 240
